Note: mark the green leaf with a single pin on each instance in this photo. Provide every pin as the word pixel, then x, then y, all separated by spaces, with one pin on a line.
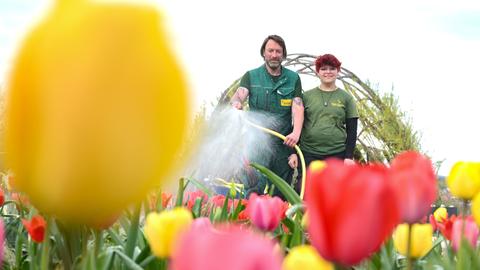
pixel 224 213
pixel 181 189
pixel 201 186
pixel 279 183
pixel 131 264
pixel 197 207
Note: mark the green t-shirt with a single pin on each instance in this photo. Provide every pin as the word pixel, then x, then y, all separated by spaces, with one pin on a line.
pixel 324 131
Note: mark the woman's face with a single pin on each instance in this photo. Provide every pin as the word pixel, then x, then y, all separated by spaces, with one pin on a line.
pixel 327 74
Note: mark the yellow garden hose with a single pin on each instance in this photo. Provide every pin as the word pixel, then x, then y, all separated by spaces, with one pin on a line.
pixel 300 154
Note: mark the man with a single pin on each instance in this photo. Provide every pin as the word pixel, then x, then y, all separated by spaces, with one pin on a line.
pixel 275 90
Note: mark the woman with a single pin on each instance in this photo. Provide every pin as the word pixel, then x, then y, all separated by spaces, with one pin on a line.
pixel 331 116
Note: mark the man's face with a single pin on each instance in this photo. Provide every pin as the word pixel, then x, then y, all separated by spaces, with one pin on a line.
pixel 273 54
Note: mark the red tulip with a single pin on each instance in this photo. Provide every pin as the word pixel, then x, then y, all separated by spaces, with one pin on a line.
pixel 352 210
pixel 415 183
pixel 446 227
pixel 265 212
pixel 36 228
pixel 229 247
pixel 191 197
pixel 2 197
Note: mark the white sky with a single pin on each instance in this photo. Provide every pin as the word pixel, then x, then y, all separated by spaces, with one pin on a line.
pixel 426 51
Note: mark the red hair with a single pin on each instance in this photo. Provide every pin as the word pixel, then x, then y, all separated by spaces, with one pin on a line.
pixel 327 60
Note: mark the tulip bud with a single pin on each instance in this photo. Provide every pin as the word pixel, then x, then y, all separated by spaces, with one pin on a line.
pixel 96 109
pixel 464 179
pixel 305 257
pixel 163 229
pixel 421 239
pixel 440 214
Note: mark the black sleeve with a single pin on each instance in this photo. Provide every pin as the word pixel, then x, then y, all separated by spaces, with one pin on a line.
pixel 351 126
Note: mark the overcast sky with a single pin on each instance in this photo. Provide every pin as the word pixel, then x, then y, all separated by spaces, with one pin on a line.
pixel 426 52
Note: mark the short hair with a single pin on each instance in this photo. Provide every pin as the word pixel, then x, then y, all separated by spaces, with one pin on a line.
pixel 277 39
pixel 327 60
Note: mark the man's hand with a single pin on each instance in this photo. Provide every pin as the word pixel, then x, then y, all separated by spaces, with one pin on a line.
pixel 293 161
pixel 291 139
pixel 237 105
pixel 239 97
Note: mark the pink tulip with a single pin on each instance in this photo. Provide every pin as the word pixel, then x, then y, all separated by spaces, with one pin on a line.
pixel 351 210
pixel 414 180
pixel 470 232
pixel 227 247
pixel 265 212
pixel 201 224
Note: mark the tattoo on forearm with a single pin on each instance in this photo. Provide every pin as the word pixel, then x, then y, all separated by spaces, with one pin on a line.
pixel 298 101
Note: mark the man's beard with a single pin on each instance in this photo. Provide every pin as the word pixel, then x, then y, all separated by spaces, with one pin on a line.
pixel 274 64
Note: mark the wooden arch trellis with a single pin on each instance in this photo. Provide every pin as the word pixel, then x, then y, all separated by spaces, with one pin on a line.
pixel 383 131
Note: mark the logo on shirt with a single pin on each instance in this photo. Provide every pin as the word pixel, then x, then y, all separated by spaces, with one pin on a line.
pixel 285 102
pixel 338 103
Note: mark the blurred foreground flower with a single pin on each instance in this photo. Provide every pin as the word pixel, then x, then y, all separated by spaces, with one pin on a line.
pixel 421 238
pixel 96 109
pixel 415 184
pixel 227 247
pixel 464 179
pixel 163 229
pixel 305 258
pixel 351 210
pixel 470 232
pixel 36 228
pixel 265 212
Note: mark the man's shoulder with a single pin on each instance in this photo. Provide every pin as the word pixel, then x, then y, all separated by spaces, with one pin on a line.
pixel 290 72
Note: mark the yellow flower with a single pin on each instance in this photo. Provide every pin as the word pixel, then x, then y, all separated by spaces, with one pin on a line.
pixel 304 222
pixel 96 110
pixel 421 239
pixel 464 179
pixel 440 214
pixel 163 229
pixel 305 257
pixel 317 165
pixel 475 207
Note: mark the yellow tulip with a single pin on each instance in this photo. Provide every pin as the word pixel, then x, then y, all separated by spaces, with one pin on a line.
pixel 464 179
pixel 163 229
pixel 475 207
pixel 96 109
pixel 305 257
pixel 304 221
pixel 421 239
pixel 317 165
pixel 440 214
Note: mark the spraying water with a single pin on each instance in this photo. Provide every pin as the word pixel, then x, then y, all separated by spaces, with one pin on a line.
pixel 228 144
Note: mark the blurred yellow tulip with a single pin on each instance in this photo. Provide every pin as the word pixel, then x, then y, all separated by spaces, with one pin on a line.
pixel 305 257
pixel 163 229
pixel 317 165
pixel 464 179
pixel 97 109
pixel 475 207
pixel 440 214
pixel 421 239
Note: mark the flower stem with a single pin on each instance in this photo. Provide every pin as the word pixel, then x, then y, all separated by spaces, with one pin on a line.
pixel 409 247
